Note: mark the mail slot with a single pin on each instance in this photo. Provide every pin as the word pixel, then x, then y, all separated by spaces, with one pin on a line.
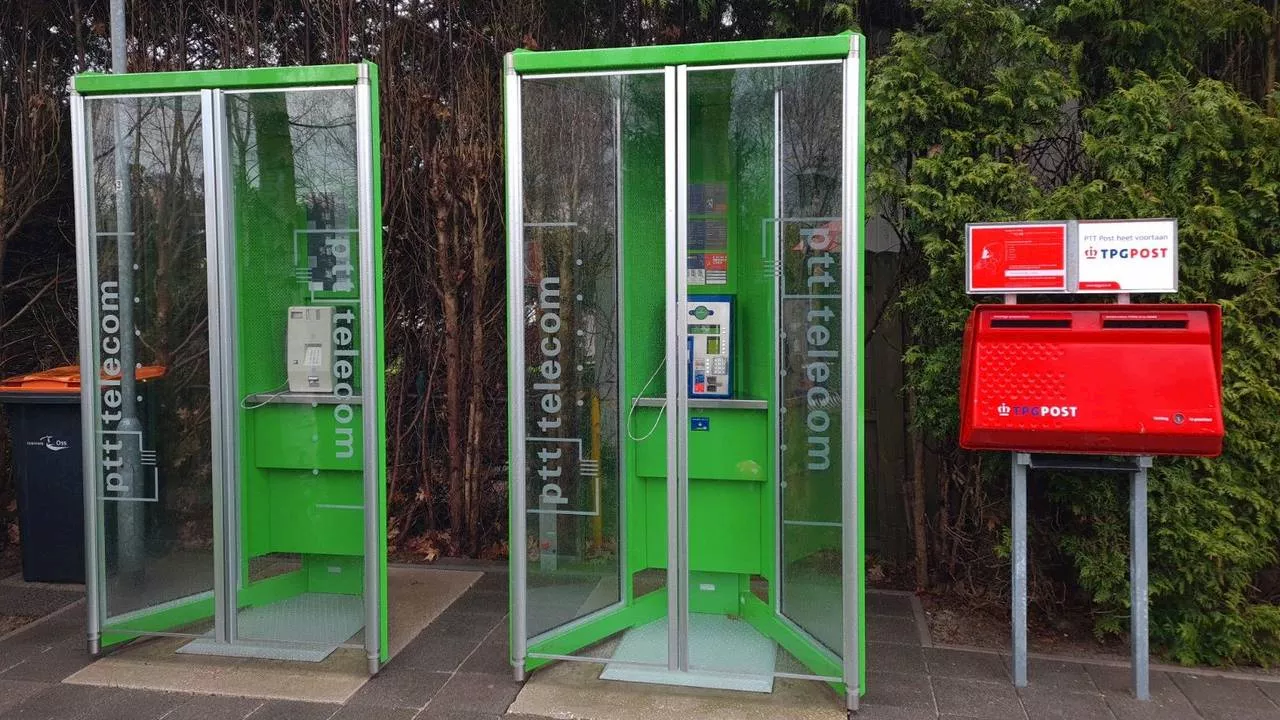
pixel 1094 379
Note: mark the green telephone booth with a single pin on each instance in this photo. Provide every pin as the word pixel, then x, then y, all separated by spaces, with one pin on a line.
pixel 228 231
pixel 685 321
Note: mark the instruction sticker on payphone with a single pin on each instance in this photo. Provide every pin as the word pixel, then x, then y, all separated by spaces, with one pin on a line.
pixel 710 346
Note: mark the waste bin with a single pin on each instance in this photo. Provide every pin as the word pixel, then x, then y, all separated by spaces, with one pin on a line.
pixel 44 429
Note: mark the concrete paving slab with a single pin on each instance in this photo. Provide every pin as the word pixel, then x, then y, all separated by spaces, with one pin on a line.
pixel 1057 675
pixel 460 621
pixel 1226 713
pixel 942 662
pixel 50 631
pixel 32 600
pixel 454 714
pixel 49 665
pixel 399 686
pixel 890 604
pixel 489 603
pixel 1050 703
pixel 889 629
pixel 1216 692
pixel 293 710
pixel 876 712
pixel 134 705
pixel 13 692
pixel 492 656
pixel 368 712
pixel 1119 681
pixel 570 690
pixel 214 707
pixel 438 655
pixel 899 691
pixel 416 597
pixel 58 702
pixel 1161 707
pixel 476 692
pixel 977 699
pixel 1271 688
pixel 894 658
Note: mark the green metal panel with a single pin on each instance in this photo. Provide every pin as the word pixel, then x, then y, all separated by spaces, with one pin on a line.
pixel 312 513
pixel 233 79
pixel 735 447
pixel 714 592
pixel 717 53
pixel 726 523
pixel 341 574
pixel 808 652
pixel 289 436
pixel 645 609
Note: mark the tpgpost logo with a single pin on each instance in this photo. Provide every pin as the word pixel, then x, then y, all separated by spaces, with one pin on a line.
pixel 1037 411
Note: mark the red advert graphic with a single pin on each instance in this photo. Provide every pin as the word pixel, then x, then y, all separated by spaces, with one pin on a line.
pixel 1010 258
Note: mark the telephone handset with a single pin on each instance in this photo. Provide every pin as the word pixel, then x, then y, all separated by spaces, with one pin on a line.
pixel 310 349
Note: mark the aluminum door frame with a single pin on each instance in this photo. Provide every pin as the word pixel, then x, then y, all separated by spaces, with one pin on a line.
pixel 518 470
pixel 86 275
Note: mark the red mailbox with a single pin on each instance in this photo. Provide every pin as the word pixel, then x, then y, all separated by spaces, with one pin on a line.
pixel 1093 379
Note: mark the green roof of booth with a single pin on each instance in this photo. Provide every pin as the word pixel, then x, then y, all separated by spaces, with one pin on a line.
pixel 233 79
pixel 656 56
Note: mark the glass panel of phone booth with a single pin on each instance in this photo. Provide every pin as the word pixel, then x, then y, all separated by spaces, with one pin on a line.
pixel 291 158
pixel 585 139
pixel 810 242
pixel 763 444
pixel 150 317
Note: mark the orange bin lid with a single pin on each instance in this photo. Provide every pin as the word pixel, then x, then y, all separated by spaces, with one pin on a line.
pixel 65 379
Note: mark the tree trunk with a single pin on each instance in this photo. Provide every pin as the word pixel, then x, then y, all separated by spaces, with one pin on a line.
pixel 1273 57
pixel 917 499
pixel 448 277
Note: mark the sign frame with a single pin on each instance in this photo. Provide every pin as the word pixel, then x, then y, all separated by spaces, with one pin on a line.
pixel 1066 283
pixel 1078 249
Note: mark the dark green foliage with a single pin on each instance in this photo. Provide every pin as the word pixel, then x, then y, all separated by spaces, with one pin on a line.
pixel 981 115
pixel 1202 154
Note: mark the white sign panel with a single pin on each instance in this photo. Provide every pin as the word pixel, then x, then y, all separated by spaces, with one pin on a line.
pixel 1127 256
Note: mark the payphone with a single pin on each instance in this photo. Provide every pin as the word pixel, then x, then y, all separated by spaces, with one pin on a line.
pixel 310 349
pixel 710 346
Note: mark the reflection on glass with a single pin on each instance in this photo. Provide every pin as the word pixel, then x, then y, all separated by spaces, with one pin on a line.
pixel 811 287
pixel 580 136
pixel 151 346
pixel 293 179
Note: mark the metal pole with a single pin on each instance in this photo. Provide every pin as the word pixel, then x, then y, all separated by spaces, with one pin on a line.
pixel 516 478
pixel 370 408
pixel 1138 579
pixel 129 516
pixel 86 279
pixel 1020 462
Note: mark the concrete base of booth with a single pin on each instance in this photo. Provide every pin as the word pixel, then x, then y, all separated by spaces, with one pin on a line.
pixel 724 654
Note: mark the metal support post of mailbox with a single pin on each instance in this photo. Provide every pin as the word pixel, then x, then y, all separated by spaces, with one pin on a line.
pixel 1136 468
